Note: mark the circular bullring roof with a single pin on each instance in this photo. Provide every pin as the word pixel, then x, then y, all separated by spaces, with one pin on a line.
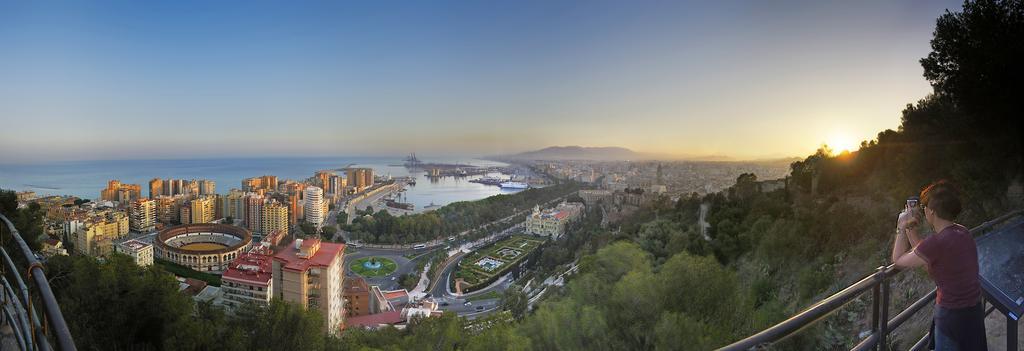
pixel 230 237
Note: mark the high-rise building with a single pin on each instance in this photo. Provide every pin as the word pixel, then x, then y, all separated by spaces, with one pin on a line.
pixel 310 274
pixel 275 217
pixel 96 236
pixel 192 188
pixel 261 184
pixel 218 206
pixel 127 195
pixel 110 192
pixel 354 177
pixel 207 187
pixel 295 209
pixel 116 191
pixel 368 176
pixel 142 215
pixel 168 208
pixel 337 186
pixel 323 178
pixel 314 206
pixel 249 278
pixel 174 187
pixel 170 187
pixel 199 210
pixel 156 188
pixel 359 178
pixel 185 213
pixel 234 204
pixel 254 213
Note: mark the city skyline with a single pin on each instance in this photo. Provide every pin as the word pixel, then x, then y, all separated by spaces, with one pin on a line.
pixel 123 81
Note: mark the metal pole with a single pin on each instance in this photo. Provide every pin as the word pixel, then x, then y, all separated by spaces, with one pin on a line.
pixel 876 297
pixel 884 325
pixel 1011 334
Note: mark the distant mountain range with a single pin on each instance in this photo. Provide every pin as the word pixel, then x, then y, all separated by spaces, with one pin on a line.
pixel 609 153
pixel 575 153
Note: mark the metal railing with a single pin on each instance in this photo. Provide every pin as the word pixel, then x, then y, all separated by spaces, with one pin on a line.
pixel 881 325
pixel 19 300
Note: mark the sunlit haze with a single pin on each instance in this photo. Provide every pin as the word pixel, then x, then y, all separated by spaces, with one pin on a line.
pixel 177 80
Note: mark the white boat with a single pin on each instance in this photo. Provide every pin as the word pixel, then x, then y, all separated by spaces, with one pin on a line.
pixel 514 185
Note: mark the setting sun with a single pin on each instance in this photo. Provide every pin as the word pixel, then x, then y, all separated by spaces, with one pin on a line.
pixel 840 143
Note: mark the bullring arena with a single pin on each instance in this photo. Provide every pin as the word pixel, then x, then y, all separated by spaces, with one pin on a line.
pixel 206 247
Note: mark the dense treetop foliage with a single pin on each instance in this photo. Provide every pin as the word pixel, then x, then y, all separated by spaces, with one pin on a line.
pixel 382 227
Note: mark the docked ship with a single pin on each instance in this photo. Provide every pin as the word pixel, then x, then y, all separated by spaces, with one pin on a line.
pixel 489 181
pixel 514 185
pixel 400 205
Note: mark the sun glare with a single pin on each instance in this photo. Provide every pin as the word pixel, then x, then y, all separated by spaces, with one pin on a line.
pixel 840 143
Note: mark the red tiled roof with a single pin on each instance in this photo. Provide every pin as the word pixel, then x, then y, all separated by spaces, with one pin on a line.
pixel 321 258
pixel 354 285
pixel 395 294
pixel 373 320
pixel 255 268
pixel 194 286
pixel 276 237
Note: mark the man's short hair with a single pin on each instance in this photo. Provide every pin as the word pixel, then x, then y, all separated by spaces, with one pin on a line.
pixel 943 198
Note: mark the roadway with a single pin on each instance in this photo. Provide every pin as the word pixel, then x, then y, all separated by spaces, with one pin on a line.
pixel 449 301
pixel 352 206
pixel 460 304
pixel 439 290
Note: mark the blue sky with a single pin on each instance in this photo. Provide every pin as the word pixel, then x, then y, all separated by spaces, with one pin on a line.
pixel 107 80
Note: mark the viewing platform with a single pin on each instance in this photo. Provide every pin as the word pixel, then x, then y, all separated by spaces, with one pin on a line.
pixel 25 290
pixel 1001 266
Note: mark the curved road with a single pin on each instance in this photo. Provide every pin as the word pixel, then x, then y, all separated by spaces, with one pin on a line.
pixel 460 304
pixel 448 301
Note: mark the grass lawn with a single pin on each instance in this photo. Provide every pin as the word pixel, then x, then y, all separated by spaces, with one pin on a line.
pixel 387 266
pixel 509 251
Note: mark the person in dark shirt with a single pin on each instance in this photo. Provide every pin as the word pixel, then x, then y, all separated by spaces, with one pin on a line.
pixel 951 258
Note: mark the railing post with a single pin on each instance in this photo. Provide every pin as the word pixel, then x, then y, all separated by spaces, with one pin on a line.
pixel 876 299
pixel 1011 334
pixel 883 327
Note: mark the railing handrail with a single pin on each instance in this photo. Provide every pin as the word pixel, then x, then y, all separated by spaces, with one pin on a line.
pixel 831 304
pixel 58 327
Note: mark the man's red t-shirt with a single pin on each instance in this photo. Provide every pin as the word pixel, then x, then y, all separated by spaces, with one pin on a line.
pixel 952 259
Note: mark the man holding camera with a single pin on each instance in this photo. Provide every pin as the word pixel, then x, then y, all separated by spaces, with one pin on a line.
pixel 951 258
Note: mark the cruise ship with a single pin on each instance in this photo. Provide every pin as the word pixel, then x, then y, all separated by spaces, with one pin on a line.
pixel 514 185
